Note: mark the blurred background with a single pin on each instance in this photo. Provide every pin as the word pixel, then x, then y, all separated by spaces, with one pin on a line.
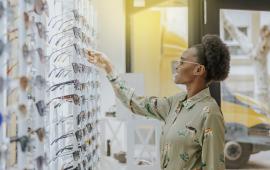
pixel 147 36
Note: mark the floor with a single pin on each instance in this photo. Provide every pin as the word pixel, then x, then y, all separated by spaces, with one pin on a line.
pixel 260 161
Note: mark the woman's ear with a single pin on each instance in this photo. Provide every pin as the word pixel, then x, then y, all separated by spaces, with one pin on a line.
pixel 199 70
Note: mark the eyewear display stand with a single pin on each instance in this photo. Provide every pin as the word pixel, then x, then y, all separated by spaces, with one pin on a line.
pixel 50 93
pixel 3 94
pixel 74 99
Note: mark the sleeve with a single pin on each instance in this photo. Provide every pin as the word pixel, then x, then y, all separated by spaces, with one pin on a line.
pixel 153 107
pixel 213 142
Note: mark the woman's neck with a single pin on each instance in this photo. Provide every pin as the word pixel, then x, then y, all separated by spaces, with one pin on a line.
pixel 193 89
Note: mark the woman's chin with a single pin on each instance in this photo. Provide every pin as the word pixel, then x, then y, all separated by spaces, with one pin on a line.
pixel 176 81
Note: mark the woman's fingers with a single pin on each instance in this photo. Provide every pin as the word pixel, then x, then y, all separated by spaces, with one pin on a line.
pixel 97 58
pixel 91 59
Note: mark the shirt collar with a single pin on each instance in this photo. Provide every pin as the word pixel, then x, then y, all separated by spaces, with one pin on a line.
pixel 189 103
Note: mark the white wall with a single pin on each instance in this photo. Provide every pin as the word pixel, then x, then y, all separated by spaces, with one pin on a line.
pixel 111 41
pixel 111 30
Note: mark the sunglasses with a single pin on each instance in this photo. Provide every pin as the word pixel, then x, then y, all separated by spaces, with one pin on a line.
pixel 41 107
pixel 39 81
pixel 79 51
pixel 81 117
pixel 70 98
pixel 74 16
pixel 24 141
pixel 22 109
pixel 95 84
pixel 61 71
pixel 80 68
pixel 61 137
pixel 78 34
pixel 40 133
pixel 76 84
pixel 83 148
pixel 59 18
pixel 78 134
pixel 74 46
pixel 69 148
pixel 94 97
pixel 42 32
pixel 75 31
pixel 70 167
pixel 24 82
pixel 28 53
pixel 39 6
pixel 75 155
pixel 41 160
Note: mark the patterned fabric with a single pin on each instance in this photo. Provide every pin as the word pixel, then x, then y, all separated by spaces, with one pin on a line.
pixel 192 137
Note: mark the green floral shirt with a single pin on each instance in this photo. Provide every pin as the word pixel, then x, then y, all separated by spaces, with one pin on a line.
pixel 192 137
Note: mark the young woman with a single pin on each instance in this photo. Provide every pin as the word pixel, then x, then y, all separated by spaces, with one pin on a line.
pixel 193 132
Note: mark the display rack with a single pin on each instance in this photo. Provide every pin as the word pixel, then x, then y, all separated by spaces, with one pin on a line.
pixel 50 93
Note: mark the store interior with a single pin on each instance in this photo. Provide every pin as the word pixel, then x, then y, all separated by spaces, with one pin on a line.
pixel 58 111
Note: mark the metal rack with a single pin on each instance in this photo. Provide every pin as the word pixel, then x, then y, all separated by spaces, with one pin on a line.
pixel 39 97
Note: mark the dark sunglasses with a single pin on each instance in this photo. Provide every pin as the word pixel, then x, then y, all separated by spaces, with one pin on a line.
pixel 24 141
pixel 76 83
pixel 70 98
pixel 39 6
pixel 80 68
pixel 74 16
pixel 41 107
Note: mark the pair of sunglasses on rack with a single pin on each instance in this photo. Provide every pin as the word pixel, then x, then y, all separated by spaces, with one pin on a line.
pixel 78 167
pixel 76 83
pixel 79 134
pixel 40 133
pixel 81 68
pixel 22 81
pixel 41 107
pixel 68 17
pixel 39 7
pixel 41 29
pixel 82 147
pixel 67 50
pixel 76 99
pixel 27 52
pixel 75 154
pixel 80 118
pixel 76 32
pixel 64 71
pixel 23 140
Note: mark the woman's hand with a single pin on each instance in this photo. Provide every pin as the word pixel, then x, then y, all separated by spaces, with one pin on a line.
pixel 100 60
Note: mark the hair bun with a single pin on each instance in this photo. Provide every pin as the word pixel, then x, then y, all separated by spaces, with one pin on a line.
pixel 217 57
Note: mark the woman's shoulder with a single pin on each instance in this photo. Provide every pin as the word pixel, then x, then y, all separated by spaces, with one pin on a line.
pixel 210 107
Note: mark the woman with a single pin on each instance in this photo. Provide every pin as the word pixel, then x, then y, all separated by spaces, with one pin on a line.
pixel 193 134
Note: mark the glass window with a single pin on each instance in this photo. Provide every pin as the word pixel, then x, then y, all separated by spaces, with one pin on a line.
pixel 245 94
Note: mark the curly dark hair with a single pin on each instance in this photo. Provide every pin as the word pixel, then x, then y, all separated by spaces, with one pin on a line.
pixel 215 56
